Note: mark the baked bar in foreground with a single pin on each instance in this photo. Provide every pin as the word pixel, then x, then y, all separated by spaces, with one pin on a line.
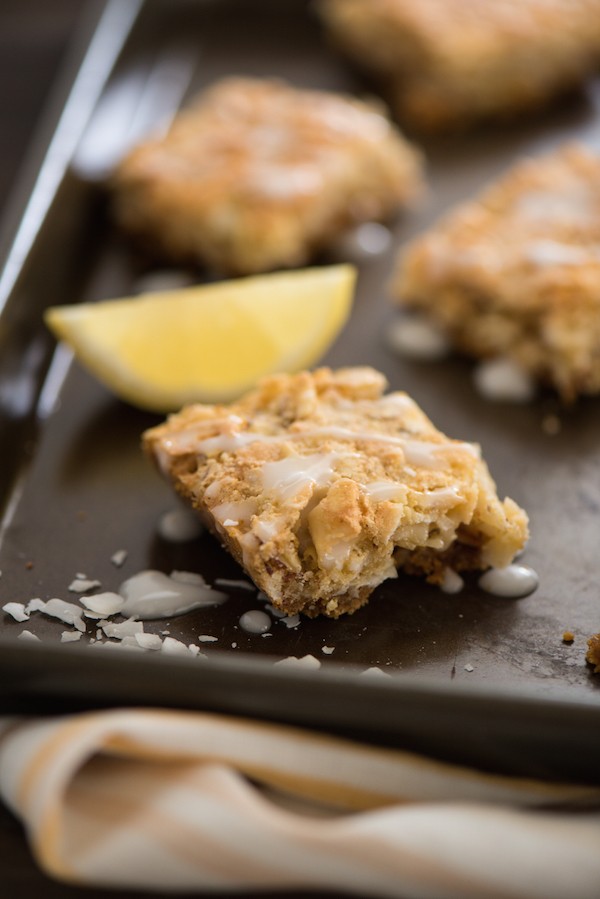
pixel 259 175
pixel 516 272
pixel 448 63
pixel 321 485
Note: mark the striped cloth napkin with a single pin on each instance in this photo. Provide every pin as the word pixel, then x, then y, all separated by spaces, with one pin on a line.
pixel 183 801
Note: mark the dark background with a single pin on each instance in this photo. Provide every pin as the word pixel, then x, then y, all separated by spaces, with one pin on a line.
pixel 34 35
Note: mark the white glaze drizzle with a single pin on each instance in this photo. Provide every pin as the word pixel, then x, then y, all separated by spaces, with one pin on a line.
pixel 363 242
pixel 268 529
pixel 289 476
pixel 282 182
pixel 379 491
pixel 571 205
pixel 249 544
pixel 417 452
pixel 162 280
pixel 186 439
pixel 213 490
pixel 417 338
pixel 511 581
pixel 420 452
pixel 551 252
pixel 179 526
pixel 427 455
pixel 255 622
pixel 451 582
pixel 234 513
pixel 152 594
pixel 337 555
pixel 503 379
pixel 438 497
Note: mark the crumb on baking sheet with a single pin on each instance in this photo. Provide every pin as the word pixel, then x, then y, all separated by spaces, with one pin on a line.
pixel 551 425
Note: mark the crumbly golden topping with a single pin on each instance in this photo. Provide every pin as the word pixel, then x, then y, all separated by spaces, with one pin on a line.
pixel 452 61
pixel 516 271
pixel 321 485
pixel 257 173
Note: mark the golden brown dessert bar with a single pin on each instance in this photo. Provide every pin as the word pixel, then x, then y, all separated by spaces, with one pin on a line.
pixel 592 655
pixel 321 486
pixel 450 62
pixel 515 273
pixel 258 175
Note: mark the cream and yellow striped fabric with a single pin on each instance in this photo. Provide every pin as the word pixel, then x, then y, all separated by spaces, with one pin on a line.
pixel 178 801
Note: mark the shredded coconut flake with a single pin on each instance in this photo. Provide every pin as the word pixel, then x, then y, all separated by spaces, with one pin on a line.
pixel 291 620
pixel 374 672
pixel 83 585
pixel 148 641
pixel 27 635
pixel 128 628
pixel 118 558
pixel 327 650
pixel 130 641
pixel 67 612
pixel 295 662
pixel 70 636
pixel 17 610
pixel 35 605
pixel 174 647
pixel 103 603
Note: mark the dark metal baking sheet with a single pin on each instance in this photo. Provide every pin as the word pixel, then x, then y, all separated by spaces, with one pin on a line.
pixel 75 487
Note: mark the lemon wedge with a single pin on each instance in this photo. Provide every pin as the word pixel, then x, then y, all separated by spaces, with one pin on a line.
pixel 208 343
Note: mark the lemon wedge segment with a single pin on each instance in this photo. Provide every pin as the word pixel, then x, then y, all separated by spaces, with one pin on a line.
pixel 208 343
